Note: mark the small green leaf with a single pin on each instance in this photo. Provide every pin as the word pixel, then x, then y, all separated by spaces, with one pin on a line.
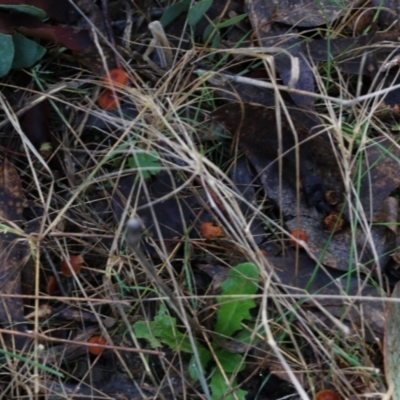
pixel 164 327
pixel 173 12
pixel 219 388
pixel 34 11
pixel 216 40
pixel 243 280
pixel 205 358
pixel 142 331
pixel 27 51
pixel 215 26
pixel 6 53
pixel 207 32
pixel 248 336
pixel 163 330
pixel 198 10
pixel 147 163
pixel 213 36
pixel 230 362
pixel 231 21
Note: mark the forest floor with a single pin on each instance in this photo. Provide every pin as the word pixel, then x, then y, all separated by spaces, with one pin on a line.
pixel 199 200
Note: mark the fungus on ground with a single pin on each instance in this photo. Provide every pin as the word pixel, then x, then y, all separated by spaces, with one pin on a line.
pixel 109 100
pixel 299 235
pixel 71 265
pixel 210 231
pixel 327 395
pixel 96 340
pixel 116 76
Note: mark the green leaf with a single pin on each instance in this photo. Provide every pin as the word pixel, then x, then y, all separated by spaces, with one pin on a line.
pixel 248 336
pixel 216 40
pixel 219 388
pixel 205 358
pixel 34 11
pixel 143 331
pixel 231 21
pixel 163 329
pixel 230 362
pixel 215 26
pixel 243 280
pixel 198 10
pixel 27 51
pixel 207 32
pixel 6 53
pixel 147 163
pixel 173 12
pixel 213 36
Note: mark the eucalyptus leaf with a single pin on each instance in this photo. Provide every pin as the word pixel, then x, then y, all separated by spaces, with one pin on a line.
pixel 27 51
pixel 197 12
pixel 7 52
pixel 216 40
pixel 31 10
pixel 173 12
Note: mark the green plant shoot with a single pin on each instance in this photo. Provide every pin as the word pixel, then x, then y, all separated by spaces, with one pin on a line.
pixel 243 280
pixel 147 163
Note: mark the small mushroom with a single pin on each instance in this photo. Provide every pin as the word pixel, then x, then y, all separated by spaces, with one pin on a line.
pixel 109 100
pixel 96 345
pixel 300 236
pixel 115 77
pixel 210 231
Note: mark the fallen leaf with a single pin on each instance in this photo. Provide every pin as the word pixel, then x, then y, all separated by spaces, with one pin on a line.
pixel 391 347
pixel 302 275
pixel 298 184
pixel 386 16
pixel 243 181
pixel 308 13
pixel 292 66
pixel 12 252
pixel 365 54
pixel 317 165
pixel 79 37
pixel 77 40
pixel 61 10
pixel 380 174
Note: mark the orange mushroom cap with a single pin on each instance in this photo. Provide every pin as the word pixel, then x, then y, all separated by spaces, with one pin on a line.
pixel 210 231
pixel 116 76
pixel 94 340
pixel 299 235
pixel 74 263
pixel 109 100
pixel 327 395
